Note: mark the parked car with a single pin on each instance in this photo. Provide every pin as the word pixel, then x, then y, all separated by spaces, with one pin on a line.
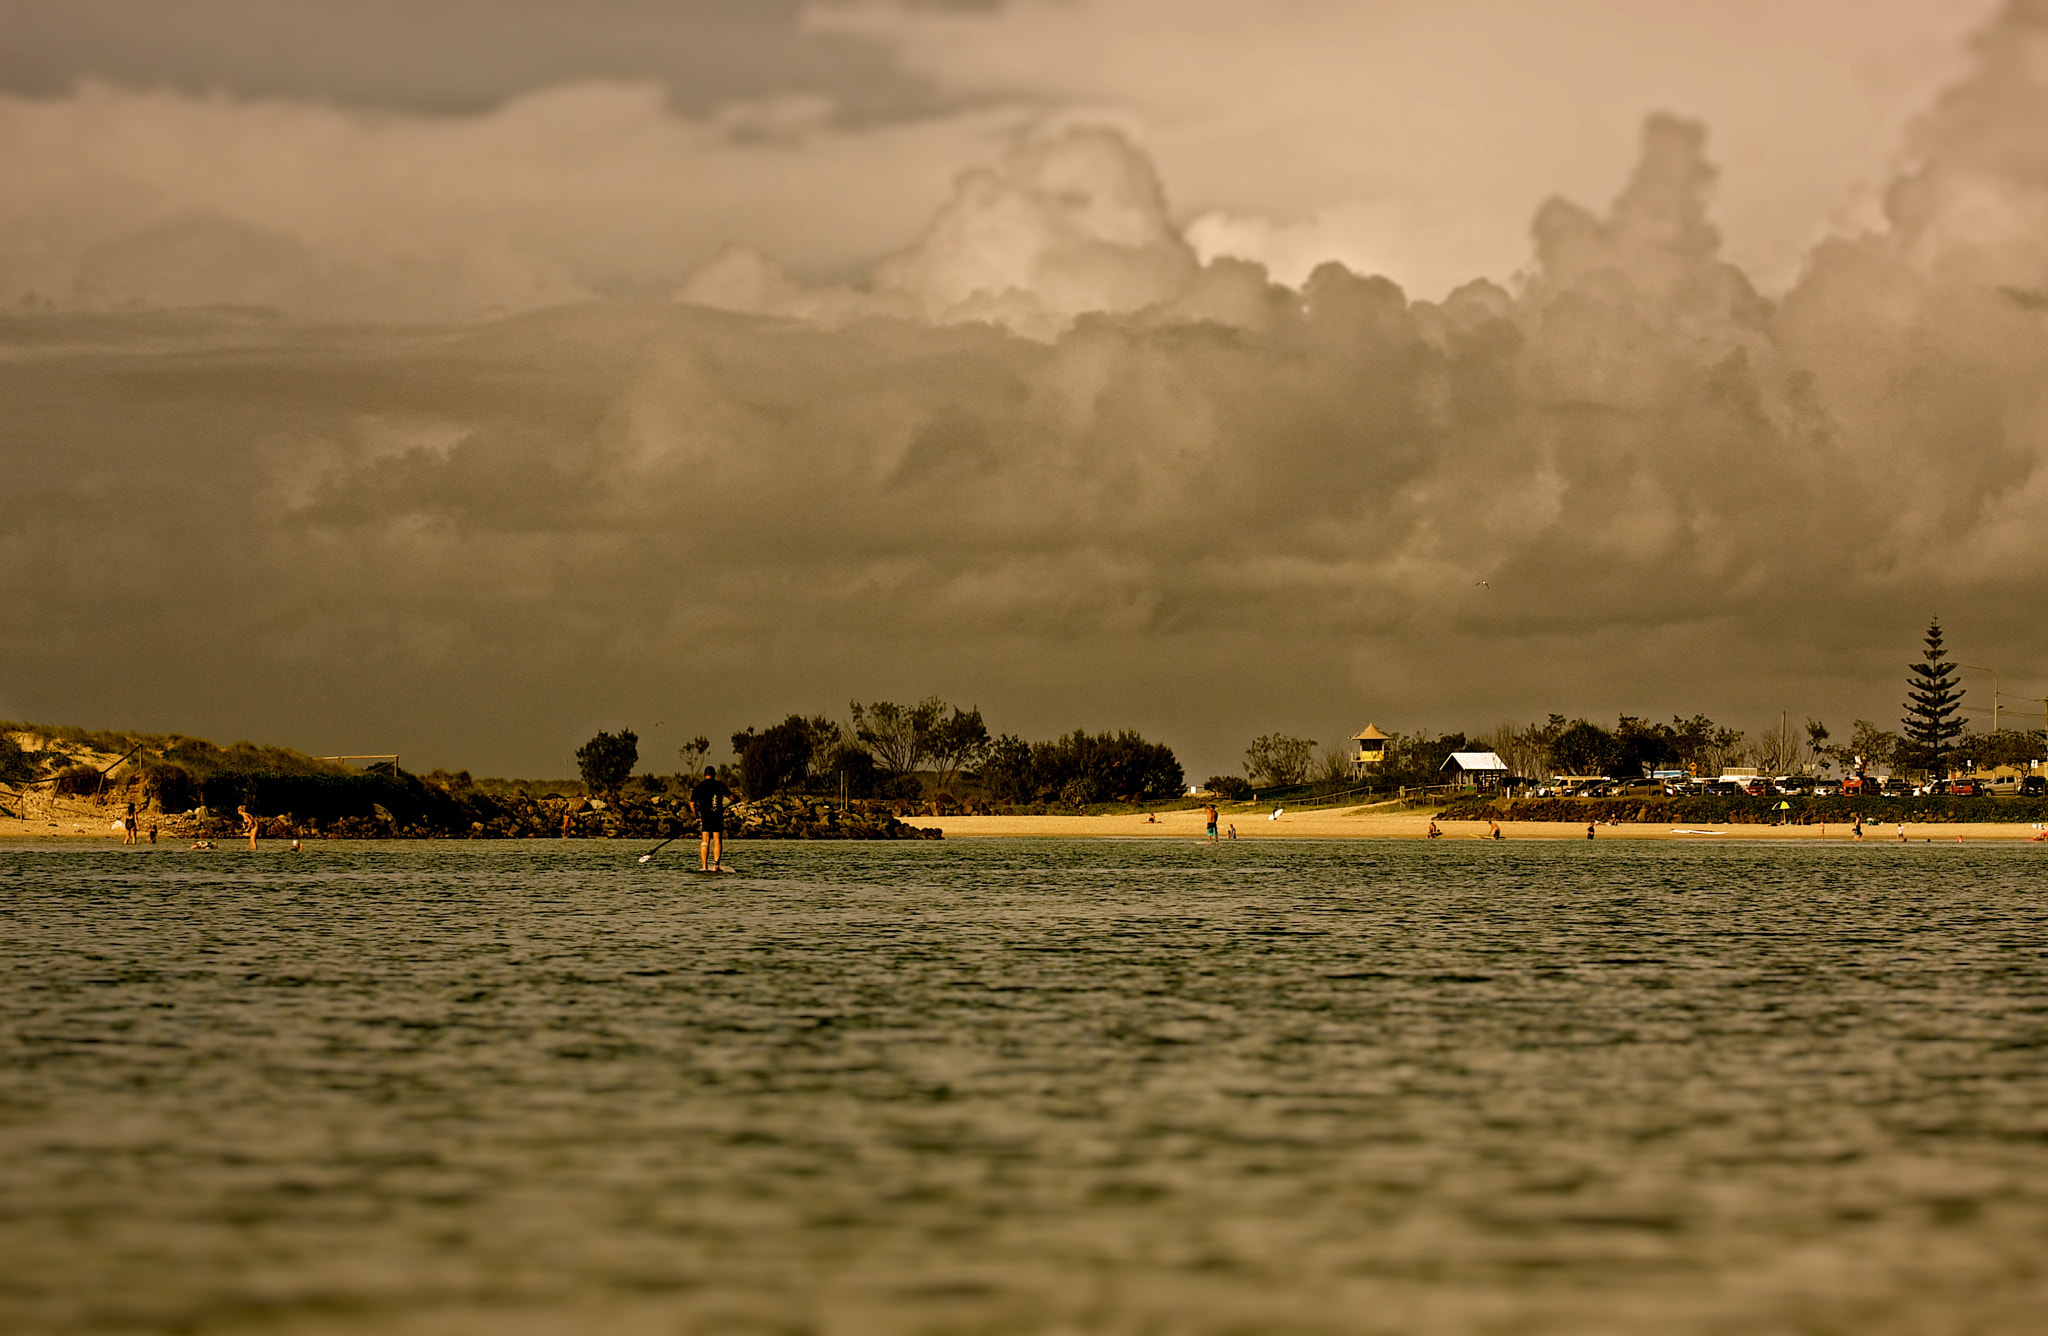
pixel 1757 788
pixel 2034 786
pixel 1826 788
pixel 1966 788
pixel 1895 788
pixel 1938 788
pixel 1724 788
pixel 1637 788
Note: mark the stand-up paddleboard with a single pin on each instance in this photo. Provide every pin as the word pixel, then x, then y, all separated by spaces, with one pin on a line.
pixel 711 872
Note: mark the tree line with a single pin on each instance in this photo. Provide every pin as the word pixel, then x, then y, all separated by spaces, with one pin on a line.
pixel 1930 739
pixel 889 750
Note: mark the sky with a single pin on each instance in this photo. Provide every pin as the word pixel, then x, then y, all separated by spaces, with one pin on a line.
pixel 459 377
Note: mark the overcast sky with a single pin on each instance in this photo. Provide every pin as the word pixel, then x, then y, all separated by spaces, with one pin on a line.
pixel 457 377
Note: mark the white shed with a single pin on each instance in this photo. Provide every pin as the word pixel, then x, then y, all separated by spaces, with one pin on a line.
pixel 1476 769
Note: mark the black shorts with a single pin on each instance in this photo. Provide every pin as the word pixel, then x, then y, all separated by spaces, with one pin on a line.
pixel 715 826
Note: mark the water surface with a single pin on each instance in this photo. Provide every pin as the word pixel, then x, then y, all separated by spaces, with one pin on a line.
pixel 1025 1086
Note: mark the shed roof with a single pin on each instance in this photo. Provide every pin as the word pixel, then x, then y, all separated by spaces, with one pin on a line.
pixel 1485 760
pixel 1372 733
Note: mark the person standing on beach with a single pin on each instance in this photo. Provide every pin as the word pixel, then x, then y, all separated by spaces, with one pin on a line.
pixel 248 823
pixel 1209 815
pixel 1589 830
pixel 128 825
pixel 707 804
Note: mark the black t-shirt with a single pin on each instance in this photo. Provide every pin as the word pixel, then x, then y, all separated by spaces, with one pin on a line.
pixel 709 799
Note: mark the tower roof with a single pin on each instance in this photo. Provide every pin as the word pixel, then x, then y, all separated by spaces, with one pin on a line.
pixel 1372 734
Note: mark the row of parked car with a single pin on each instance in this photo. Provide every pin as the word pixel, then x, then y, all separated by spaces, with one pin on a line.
pixel 1794 786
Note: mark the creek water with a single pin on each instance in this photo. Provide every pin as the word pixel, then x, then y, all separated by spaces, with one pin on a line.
pixel 1025 1086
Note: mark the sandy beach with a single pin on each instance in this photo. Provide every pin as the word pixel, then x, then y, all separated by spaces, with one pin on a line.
pixel 1371 823
pixel 57 818
pixel 76 820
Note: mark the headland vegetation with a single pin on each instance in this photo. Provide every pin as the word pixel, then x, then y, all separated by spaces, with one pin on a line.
pixel 57 780
pixel 807 777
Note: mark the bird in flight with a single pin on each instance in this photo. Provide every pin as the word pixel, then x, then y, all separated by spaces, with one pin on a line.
pixel 1482 584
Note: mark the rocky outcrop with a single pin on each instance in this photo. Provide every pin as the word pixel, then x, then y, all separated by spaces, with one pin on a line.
pixel 799 818
pixel 419 810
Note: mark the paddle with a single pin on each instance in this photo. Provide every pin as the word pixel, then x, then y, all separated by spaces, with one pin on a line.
pixel 659 847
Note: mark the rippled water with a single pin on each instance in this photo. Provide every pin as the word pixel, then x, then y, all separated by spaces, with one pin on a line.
pixel 1025 1087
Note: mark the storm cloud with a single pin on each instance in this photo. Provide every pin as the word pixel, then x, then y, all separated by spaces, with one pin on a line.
pixel 1042 458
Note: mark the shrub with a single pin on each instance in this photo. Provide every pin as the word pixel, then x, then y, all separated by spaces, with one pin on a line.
pixel 1105 766
pixel 1279 759
pixel 170 787
pixel 16 765
pixel 607 759
pixel 76 780
pixel 1006 770
pixel 776 759
pixel 845 763
pixel 1227 787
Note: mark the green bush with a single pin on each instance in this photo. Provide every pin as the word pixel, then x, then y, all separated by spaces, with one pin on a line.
pixel 16 766
pixel 607 759
pixel 77 781
pixel 170 787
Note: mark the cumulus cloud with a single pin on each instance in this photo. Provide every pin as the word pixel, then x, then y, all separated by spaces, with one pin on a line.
pixel 1070 223
pixel 1417 135
pixel 120 197
pixel 1190 499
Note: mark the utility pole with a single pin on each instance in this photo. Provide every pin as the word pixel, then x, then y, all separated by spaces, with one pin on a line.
pixel 1994 691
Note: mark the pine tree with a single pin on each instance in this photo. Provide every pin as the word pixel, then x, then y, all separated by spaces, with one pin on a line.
pixel 1930 725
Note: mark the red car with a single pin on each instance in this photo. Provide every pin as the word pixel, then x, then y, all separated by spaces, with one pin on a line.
pixel 1966 788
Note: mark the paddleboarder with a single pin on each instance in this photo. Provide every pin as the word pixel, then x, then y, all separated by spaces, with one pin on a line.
pixel 707 803
pixel 1209 815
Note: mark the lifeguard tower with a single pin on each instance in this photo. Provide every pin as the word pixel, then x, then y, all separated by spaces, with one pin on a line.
pixel 1372 749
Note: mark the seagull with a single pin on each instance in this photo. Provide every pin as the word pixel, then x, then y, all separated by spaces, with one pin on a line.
pixel 1482 584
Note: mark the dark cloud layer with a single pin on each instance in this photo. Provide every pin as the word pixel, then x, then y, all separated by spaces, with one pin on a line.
pixel 450 55
pixel 1234 509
